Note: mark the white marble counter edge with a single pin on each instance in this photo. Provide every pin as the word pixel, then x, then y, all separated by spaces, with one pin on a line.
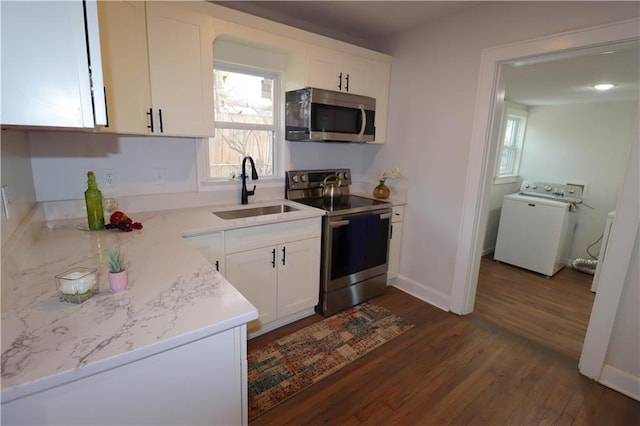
pixel 216 225
pixel 59 379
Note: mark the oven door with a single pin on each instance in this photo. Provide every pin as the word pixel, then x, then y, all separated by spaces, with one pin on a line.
pixel 356 248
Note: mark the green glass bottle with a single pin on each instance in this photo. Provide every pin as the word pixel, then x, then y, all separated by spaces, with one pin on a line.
pixel 93 199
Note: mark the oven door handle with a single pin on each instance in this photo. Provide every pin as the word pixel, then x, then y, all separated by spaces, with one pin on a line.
pixel 341 223
pixel 338 223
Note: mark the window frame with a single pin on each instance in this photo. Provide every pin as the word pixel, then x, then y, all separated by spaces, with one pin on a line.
pixel 521 113
pixel 205 180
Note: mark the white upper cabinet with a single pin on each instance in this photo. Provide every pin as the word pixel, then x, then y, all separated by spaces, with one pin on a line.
pixel 180 46
pixel 50 59
pixel 333 70
pixel 159 69
pixel 123 34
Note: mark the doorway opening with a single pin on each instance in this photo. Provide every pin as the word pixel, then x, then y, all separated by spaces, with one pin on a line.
pixel 483 151
pixel 574 134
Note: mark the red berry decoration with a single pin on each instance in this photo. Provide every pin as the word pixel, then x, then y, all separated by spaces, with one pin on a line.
pixel 123 222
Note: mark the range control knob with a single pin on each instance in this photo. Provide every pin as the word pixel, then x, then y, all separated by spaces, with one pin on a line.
pixel 548 188
pixel 534 187
pixel 346 176
pixel 526 185
pixel 295 178
pixel 303 178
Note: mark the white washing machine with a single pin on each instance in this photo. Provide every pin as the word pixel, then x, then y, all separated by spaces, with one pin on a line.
pixel 537 226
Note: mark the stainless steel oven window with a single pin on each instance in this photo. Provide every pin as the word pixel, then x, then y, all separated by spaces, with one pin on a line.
pixel 356 248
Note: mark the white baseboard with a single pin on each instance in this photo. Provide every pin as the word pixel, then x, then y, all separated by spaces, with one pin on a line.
pixel 620 381
pixel 422 292
pixel 488 250
pixel 279 323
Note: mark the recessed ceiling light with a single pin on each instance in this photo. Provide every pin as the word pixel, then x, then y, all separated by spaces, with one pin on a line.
pixel 604 86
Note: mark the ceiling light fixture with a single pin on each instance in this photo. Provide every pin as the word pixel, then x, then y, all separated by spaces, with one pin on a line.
pixel 602 87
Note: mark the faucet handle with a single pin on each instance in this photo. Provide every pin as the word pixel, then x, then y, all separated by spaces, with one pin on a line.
pixel 252 192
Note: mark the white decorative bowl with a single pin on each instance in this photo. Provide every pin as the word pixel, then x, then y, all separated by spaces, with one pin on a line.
pixel 77 285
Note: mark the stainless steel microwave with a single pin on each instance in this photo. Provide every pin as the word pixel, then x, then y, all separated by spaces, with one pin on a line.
pixel 319 115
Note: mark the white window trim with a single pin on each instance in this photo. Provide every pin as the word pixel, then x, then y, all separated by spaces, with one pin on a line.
pixel 207 183
pixel 517 110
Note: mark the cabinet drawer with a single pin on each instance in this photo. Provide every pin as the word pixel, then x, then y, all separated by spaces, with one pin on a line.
pixel 398 214
pixel 238 240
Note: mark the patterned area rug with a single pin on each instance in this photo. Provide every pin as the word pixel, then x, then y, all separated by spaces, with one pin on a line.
pixel 283 368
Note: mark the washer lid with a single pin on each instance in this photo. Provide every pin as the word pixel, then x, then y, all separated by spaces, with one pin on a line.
pixel 538 200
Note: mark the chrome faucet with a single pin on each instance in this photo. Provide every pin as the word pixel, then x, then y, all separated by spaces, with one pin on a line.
pixel 254 176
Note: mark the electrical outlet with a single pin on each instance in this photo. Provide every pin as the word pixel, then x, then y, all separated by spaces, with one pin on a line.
pixel 159 175
pixel 109 177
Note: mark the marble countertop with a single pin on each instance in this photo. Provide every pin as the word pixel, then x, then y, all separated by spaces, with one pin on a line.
pixel 174 295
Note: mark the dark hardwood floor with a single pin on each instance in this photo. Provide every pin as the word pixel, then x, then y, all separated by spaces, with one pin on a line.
pixel 512 362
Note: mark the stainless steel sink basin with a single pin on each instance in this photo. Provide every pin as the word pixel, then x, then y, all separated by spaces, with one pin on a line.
pixel 255 211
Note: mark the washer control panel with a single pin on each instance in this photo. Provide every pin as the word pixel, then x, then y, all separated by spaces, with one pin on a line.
pixel 567 192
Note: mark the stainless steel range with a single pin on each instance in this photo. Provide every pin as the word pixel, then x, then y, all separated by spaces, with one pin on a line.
pixel 355 237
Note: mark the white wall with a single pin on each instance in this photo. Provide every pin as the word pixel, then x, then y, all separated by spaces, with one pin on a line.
pixel 17 180
pixel 60 161
pixel 434 81
pixel 587 144
pixel 624 348
pixel 495 208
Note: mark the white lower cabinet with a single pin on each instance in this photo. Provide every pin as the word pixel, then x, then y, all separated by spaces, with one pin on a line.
pixel 277 268
pixel 397 219
pixel 252 273
pixel 211 247
pixel 298 276
pixel 202 382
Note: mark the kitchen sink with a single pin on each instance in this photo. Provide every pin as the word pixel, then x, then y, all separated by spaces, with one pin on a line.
pixel 254 211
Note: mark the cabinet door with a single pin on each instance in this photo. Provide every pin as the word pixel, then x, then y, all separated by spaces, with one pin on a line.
pixel 298 276
pixel 356 76
pixel 332 70
pixel 180 46
pixel 211 247
pixel 123 37
pixel 322 69
pixel 379 88
pixel 253 273
pixel 45 66
pixel 394 250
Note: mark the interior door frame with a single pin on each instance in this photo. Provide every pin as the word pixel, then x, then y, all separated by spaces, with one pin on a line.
pixel 489 104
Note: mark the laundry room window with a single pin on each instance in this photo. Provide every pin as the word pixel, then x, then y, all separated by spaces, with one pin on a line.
pixel 510 150
pixel 246 121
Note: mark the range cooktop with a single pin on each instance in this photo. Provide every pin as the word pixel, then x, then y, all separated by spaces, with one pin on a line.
pixel 305 186
pixel 346 204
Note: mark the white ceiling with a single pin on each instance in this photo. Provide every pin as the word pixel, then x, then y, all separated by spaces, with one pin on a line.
pixel 568 78
pixel 356 22
pixel 561 79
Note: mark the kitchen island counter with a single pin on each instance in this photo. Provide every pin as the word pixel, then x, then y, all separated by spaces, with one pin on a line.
pixel 174 296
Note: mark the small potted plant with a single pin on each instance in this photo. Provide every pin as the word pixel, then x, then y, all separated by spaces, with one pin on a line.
pixel 117 273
